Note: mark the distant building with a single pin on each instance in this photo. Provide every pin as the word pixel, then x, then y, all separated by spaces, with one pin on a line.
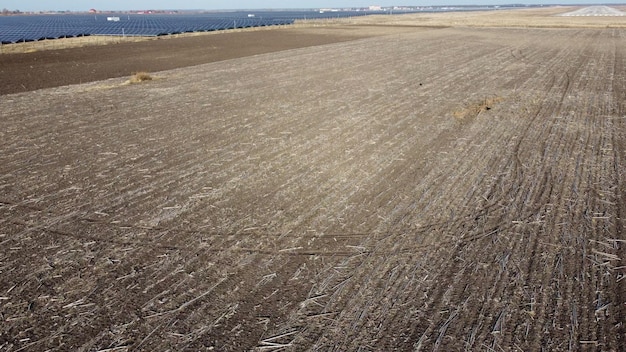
pixel 93 11
pixel 375 8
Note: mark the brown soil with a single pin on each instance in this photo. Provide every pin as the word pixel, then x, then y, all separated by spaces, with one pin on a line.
pixel 326 198
pixel 28 71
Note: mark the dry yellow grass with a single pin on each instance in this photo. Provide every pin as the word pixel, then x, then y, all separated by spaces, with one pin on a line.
pixel 474 109
pixel 139 77
pixel 531 18
pixel 66 43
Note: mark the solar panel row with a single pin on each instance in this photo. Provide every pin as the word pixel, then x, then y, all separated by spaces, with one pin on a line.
pixel 14 29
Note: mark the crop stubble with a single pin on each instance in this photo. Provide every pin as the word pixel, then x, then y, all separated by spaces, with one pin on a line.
pixel 326 198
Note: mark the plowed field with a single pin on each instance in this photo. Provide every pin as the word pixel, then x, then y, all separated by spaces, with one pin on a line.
pixel 447 189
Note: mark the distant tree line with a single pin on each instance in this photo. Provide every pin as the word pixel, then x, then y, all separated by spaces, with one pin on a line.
pixel 6 12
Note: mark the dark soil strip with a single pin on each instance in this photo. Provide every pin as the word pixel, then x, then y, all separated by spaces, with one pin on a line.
pixel 54 68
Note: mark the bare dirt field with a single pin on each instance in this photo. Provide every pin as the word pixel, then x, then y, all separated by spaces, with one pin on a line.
pixel 38 67
pixel 443 189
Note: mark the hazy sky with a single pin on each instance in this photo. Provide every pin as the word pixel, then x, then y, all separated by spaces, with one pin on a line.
pixel 42 5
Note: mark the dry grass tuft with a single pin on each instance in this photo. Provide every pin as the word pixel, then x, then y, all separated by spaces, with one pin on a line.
pixel 139 77
pixel 474 109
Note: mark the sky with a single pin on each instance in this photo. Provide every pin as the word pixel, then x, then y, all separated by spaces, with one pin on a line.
pixel 73 5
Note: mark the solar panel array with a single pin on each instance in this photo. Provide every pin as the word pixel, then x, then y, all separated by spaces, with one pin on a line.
pixel 14 29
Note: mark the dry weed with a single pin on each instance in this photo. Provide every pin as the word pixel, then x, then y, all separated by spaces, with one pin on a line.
pixel 139 77
pixel 474 109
